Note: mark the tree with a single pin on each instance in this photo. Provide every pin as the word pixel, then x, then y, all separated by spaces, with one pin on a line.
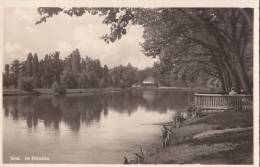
pixel 148 72
pixel 29 65
pixel 83 65
pixel 75 62
pixel 124 76
pixel 223 37
pixel 25 83
pixel 197 50
pixel 52 68
pixel 6 76
pixel 47 76
pixel 130 75
pixel 15 69
pixel 53 72
pixel 58 88
pixel 92 74
pixel 83 80
pixel 36 71
pixel 40 74
pixel 35 64
pixel 106 79
pixel 56 66
pixel 69 78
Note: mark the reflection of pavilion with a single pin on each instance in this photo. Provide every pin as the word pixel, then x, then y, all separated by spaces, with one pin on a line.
pixel 149 82
pixel 149 95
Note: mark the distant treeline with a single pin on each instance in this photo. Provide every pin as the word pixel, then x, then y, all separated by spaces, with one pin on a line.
pixel 73 72
pixel 77 72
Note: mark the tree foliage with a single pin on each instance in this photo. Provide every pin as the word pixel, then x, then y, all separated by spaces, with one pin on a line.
pixel 71 72
pixel 25 83
pixel 215 41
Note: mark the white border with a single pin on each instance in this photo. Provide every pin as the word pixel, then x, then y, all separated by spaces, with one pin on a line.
pixel 133 3
pixel 147 3
pixel 256 85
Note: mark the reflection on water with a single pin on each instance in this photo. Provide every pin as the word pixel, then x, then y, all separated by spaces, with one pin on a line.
pixel 86 128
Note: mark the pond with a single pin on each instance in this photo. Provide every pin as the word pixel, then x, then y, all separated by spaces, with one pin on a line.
pixel 91 129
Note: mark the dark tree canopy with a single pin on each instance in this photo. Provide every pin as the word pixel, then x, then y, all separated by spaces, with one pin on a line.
pixel 215 41
pixel 71 72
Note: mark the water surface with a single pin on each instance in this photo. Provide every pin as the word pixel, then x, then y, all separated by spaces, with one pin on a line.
pixel 85 128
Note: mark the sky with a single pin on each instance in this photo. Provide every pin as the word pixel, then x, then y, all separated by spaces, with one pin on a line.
pixel 65 34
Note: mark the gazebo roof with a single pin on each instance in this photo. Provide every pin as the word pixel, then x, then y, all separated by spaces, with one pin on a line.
pixel 149 80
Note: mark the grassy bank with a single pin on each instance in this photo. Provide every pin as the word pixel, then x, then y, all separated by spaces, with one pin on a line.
pixel 16 92
pixel 216 138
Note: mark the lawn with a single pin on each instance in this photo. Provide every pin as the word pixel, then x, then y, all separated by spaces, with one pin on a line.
pixel 229 141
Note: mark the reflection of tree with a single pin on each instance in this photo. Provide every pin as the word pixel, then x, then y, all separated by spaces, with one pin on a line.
pixel 124 102
pixel 159 101
pixel 6 111
pixel 29 112
pixel 46 111
pixel 52 109
pixel 33 108
pixel 164 100
pixel 15 112
pixel 76 109
pixel 31 120
pixel 82 108
pixel 11 107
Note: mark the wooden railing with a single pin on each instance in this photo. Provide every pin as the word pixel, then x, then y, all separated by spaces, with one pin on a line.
pixel 237 102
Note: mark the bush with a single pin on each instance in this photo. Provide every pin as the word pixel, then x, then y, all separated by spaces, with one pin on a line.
pixel 26 84
pixel 61 89
pixel 58 88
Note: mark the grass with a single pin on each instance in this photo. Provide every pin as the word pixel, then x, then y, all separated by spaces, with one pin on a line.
pixel 230 119
pixel 241 154
pixel 224 148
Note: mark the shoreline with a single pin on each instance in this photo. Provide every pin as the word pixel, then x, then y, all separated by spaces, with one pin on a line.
pixel 19 92
pixel 215 138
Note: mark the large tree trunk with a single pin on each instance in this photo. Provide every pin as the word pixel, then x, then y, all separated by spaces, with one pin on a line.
pixel 235 69
pixel 224 78
pixel 232 77
pixel 239 72
pixel 243 78
pixel 223 84
pixel 227 81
